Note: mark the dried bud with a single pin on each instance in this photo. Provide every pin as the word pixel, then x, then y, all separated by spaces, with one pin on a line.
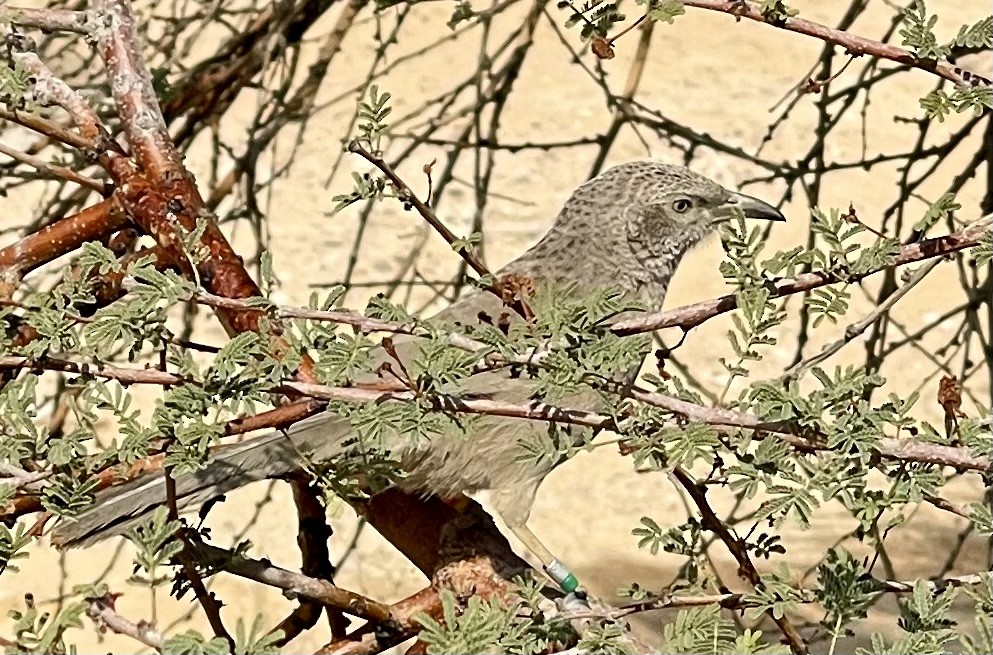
pixel 602 49
pixel 516 287
pixel 811 86
pixel 950 399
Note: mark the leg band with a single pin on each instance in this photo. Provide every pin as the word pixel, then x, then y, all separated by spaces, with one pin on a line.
pixel 563 576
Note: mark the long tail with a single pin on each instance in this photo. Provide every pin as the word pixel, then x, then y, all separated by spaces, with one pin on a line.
pixel 118 509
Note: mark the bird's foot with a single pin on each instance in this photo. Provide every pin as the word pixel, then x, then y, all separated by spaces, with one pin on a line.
pixel 575 602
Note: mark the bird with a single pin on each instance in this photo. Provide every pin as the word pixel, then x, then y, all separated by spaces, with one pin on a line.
pixel 628 228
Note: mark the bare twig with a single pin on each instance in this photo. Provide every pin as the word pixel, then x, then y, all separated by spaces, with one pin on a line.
pixel 695 314
pixel 294 584
pixel 860 326
pixel 102 611
pixel 853 44
pixel 211 606
pixel 53 170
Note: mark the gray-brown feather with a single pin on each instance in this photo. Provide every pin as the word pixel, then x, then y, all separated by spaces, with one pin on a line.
pixel 615 231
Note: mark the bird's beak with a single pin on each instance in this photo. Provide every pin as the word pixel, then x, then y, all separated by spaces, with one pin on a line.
pixel 750 207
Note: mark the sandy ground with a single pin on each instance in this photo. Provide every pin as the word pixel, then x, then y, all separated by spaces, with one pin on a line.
pixel 724 89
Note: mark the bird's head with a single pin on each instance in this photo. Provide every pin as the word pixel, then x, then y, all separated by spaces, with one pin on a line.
pixel 632 224
pixel 664 207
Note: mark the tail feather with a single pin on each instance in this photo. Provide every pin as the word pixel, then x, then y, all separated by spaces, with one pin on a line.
pixel 119 508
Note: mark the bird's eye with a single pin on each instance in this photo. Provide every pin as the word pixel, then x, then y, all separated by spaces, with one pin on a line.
pixel 682 205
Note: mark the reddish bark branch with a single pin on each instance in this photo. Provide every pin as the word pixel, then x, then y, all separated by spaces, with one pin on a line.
pixel 53 241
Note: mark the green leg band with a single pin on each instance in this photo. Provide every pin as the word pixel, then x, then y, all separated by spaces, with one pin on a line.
pixel 563 576
pixel 570 584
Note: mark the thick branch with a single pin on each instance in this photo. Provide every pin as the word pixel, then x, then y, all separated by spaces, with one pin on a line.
pixel 57 239
pixel 52 19
pixel 294 584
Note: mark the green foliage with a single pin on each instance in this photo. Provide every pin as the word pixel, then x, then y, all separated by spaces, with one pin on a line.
pixel 918 33
pixel 256 640
pixel 605 639
pixel 192 642
pixel 366 187
pixel 21 436
pixel 758 315
pixel 846 589
pixel 983 253
pixel 480 626
pixel 663 10
pixel 774 594
pixel 977 35
pixel 155 545
pixel 15 84
pixel 981 517
pixel 681 540
pixel 43 632
pixel 777 11
pixel 372 116
pixel 596 16
pixel 982 596
pixel 659 446
pixel 758 467
pixel 137 320
pixel 12 541
pixel 68 495
pixel 926 611
pixel 467 244
pixel 784 501
pixel 707 630
pixel 939 104
pixel 939 211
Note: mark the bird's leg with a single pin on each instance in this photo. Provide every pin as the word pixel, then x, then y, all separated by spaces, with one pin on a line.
pixel 554 567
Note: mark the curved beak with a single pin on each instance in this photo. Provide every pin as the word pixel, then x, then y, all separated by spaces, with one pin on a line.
pixel 750 207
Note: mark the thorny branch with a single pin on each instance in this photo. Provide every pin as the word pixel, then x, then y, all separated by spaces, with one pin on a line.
pixel 746 569
pixel 853 44
pixel 803 439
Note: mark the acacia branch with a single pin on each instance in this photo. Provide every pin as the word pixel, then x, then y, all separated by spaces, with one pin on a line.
pixel 52 19
pixel 102 612
pixel 49 89
pixel 45 127
pixel 468 254
pixel 798 437
pixel 736 547
pixel 689 316
pixel 739 601
pixel 294 584
pixel 53 170
pixel 208 601
pixel 854 45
